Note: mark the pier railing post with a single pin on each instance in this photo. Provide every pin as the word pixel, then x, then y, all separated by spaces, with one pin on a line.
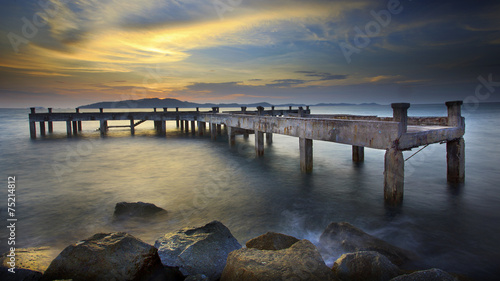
pixel 455 149
pixel 306 155
pixel 393 176
pixel 454 113
pixel 400 114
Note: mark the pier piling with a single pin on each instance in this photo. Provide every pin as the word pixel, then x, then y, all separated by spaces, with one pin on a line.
pixel 306 155
pixel 42 128
pixel 51 127
pixel 358 153
pixel 393 177
pixel 259 143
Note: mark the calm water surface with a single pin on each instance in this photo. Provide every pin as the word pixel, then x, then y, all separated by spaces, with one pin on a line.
pixel 67 187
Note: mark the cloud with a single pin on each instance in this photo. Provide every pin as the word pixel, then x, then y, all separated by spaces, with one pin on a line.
pixel 324 76
pixel 286 82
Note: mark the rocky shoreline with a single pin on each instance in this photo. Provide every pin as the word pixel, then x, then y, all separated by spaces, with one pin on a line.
pixel 210 252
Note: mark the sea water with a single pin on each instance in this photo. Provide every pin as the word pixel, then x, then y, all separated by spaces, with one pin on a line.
pixel 67 188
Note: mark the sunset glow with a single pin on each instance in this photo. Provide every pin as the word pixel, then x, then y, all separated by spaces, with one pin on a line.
pixel 66 54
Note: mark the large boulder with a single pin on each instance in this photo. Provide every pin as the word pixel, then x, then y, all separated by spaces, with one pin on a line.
pixel 107 256
pixel 433 274
pixel 199 250
pixel 302 261
pixel 124 210
pixel 343 237
pixel 272 241
pixel 365 266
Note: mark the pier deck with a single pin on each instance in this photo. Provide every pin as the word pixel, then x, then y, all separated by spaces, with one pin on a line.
pixel 393 134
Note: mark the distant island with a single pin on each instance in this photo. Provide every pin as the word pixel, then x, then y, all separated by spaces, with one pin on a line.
pixel 172 103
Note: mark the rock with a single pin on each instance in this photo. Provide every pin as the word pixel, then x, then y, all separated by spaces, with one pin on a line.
pixel 34 259
pixel 197 277
pixel 19 275
pixel 345 238
pixel 365 265
pixel 302 261
pixel 433 274
pixel 125 210
pixel 199 250
pixel 107 256
pixel 272 241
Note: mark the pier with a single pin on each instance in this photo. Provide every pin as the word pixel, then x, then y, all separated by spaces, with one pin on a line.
pixel 393 134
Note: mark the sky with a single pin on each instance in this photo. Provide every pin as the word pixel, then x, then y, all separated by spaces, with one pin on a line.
pixel 61 53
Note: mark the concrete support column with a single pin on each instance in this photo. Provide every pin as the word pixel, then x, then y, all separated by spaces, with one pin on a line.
pixel 201 128
pixel 193 127
pixel 104 126
pixel 213 131
pixel 132 127
pixel 244 109
pixel 358 153
pixel 269 138
pixel 79 126
pixel 394 166
pixel 51 127
pixel 187 126
pixel 177 118
pixel 33 130
pixel 455 158
pixel 68 128
pixel 219 129
pixel 400 114
pixel 163 126
pixel 75 127
pixel 306 155
pixel 182 124
pixel 42 128
pixel 259 143
pixel 231 136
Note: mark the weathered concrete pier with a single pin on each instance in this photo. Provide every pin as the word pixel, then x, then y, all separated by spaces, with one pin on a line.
pixel 393 134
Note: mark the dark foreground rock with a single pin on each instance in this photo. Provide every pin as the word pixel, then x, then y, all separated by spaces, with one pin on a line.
pixel 302 261
pixel 365 266
pixel 125 210
pixel 199 250
pixel 433 274
pixel 345 238
pixel 107 256
pixel 272 241
pixel 19 275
